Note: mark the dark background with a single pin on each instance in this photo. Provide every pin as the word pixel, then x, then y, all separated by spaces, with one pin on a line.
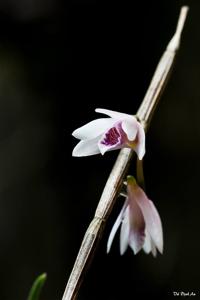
pixel 60 60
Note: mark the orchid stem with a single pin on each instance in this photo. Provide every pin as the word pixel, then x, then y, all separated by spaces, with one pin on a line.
pixel 117 175
pixel 140 173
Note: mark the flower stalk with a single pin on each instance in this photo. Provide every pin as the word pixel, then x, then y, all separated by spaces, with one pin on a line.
pixel 118 173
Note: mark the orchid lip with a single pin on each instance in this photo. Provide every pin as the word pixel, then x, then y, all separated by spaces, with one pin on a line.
pixel 114 136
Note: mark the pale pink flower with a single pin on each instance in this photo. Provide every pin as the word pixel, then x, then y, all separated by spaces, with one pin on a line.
pixel 106 134
pixel 141 226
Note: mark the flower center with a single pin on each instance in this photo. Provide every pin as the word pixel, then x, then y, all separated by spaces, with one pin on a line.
pixel 111 137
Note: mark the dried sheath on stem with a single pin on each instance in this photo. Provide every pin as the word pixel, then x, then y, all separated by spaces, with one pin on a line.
pixel 114 183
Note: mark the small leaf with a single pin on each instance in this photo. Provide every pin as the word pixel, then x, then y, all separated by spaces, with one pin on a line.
pixel 37 287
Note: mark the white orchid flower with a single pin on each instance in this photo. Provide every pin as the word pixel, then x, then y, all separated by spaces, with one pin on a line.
pixel 141 226
pixel 106 134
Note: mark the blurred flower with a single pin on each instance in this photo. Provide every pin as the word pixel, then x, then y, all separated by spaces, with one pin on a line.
pixel 106 134
pixel 140 223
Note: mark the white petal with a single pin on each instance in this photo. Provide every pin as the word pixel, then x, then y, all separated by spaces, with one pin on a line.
pixel 153 248
pixel 86 147
pixel 116 226
pixel 147 243
pixel 137 226
pixel 93 128
pixel 124 232
pixel 114 114
pixel 140 146
pixel 151 217
pixel 130 128
pixel 136 241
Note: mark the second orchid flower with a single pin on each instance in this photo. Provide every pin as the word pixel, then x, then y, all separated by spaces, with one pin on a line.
pixel 140 222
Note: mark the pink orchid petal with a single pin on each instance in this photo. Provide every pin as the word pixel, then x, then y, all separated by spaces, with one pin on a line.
pixel 130 128
pixel 124 232
pixel 93 128
pixel 153 249
pixel 151 216
pixel 147 243
pixel 137 226
pixel 136 241
pixel 86 147
pixel 116 226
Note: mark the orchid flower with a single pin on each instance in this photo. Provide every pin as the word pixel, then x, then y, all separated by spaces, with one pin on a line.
pixel 141 226
pixel 106 134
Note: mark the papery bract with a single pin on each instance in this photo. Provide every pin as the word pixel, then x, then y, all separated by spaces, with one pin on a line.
pixel 106 134
pixel 140 222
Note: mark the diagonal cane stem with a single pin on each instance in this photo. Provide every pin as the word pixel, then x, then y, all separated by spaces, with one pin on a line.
pixel 115 180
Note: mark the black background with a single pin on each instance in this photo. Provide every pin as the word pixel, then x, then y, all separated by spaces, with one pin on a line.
pixel 59 61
